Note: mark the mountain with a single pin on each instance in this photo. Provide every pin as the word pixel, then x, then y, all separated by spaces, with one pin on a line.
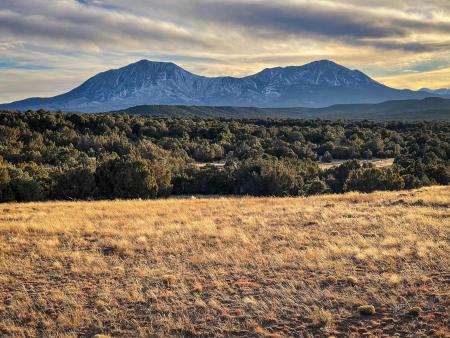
pixel 432 108
pixel 441 91
pixel 316 84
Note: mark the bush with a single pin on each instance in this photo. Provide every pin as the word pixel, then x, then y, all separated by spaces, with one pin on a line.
pixel 269 177
pixel 24 187
pixel 5 180
pixel 415 311
pixel 132 178
pixel 75 183
pixel 367 154
pixel 316 187
pixel 327 158
pixel 371 179
pixel 279 180
pixel 366 310
pixel 340 174
pixel 206 180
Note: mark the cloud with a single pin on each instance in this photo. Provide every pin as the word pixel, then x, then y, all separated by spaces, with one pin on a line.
pixel 60 41
pixel 204 24
pixel 414 47
pixel 416 80
pixel 19 65
pixel 353 22
pixel 74 23
pixel 297 18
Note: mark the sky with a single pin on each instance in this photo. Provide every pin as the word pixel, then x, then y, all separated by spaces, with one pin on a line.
pixel 48 47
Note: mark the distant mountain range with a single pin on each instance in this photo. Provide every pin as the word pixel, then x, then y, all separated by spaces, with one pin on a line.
pixel 441 91
pixel 316 84
pixel 431 108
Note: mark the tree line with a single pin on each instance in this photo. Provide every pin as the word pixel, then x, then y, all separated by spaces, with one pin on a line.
pixel 45 155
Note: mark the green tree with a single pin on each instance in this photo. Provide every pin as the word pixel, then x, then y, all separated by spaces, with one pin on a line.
pixel 5 180
pixel 371 179
pixel 316 187
pixel 24 187
pixel 126 178
pixel 278 179
pixel 75 183
pixel 327 158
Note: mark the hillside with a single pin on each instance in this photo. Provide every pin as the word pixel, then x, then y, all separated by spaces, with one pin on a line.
pixel 428 109
pixel 228 267
pixel 316 84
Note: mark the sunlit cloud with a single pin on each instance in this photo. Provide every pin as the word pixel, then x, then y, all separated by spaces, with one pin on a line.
pixel 50 46
pixel 417 80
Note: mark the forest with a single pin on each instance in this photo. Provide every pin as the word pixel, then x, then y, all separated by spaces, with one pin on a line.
pixel 60 156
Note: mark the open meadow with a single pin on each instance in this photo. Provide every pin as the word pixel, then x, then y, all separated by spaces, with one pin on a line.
pixel 331 265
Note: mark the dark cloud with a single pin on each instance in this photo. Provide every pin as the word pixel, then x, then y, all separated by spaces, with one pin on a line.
pixel 205 23
pixel 353 22
pixel 414 47
pixel 292 18
pixel 77 23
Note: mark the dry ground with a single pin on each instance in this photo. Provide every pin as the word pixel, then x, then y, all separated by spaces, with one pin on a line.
pixel 228 267
pixel 377 162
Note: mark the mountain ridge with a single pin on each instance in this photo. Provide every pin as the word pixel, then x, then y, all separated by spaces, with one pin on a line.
pixel 441 91
pixel 430 109
pixel 316 84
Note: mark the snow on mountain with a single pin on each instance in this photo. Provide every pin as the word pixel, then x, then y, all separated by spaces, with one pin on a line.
pixel 316 84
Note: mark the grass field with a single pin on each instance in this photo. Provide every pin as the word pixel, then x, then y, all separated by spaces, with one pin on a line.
pixel 269 267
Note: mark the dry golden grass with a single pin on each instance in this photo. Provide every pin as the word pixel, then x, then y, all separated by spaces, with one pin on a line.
pixel 229 266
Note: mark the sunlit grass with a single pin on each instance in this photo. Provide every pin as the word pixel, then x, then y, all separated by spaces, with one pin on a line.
pixel 227 266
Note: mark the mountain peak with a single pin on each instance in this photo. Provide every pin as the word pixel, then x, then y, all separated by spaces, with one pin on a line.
pixel 145 82
pixel 324 62
pixel 146 61
pixel 150 63
pixel 325 65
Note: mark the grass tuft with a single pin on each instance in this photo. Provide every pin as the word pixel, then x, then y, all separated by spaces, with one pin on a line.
pixel 366 310
pixel 321 318
pixel 415 311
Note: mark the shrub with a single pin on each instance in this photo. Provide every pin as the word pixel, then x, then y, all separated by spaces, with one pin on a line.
pixel 268 177
pixel 321 318
pixel 366 310
pixel 371 179
pixel 5 180
pixel 75 183
pixel 24 187
pixel 317 186
pixel 415 311
pixel 327 158
pixel 132 178
pixel 367 154
pixel 279 180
